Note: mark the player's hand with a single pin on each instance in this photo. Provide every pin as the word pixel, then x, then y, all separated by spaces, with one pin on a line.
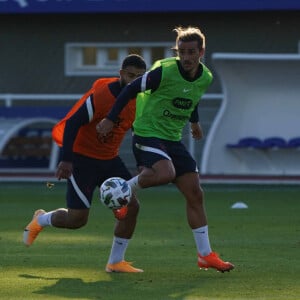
pixel 64 170
pixel 104 127
pixel 105 139
pixel 196 131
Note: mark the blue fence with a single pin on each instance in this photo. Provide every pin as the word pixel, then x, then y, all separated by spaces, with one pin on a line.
pixel 55 112
pixel 127 6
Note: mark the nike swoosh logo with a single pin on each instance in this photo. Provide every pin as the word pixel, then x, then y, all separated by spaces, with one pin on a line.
pixel 186 90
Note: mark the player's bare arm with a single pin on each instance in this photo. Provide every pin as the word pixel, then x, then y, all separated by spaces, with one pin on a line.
pixel 196 131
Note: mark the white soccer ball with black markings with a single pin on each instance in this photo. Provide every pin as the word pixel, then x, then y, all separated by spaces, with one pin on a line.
pixel 115 193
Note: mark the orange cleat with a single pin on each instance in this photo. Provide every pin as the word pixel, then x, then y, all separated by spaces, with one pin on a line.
pixel 212 260
pixel 32 229
pixel 120 213
pixel 122 267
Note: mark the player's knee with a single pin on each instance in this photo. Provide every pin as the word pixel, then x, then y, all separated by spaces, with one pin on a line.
pixel 194 197
pixel 198 192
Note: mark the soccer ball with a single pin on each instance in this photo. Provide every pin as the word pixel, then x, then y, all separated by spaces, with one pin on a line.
pixel 115 193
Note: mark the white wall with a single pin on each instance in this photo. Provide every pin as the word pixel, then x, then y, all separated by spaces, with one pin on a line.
pixel 261 99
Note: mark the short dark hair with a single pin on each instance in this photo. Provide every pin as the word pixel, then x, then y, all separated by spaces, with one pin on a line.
pixel 134 60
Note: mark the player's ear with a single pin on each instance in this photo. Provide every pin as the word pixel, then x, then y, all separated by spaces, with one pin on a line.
pixel 202 52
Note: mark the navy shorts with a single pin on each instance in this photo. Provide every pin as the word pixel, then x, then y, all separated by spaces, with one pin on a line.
pixel 87 175
pixel 149 150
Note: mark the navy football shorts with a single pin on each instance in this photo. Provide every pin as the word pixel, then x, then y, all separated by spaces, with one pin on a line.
pixel 87 175
pixel 149 150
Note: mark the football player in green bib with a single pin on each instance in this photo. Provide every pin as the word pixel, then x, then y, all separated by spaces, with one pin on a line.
pixel 167 98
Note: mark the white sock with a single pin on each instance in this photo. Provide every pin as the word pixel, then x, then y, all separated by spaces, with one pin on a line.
pixel 134 183
pixel 202 240
pixel 45 219
pixel 118 250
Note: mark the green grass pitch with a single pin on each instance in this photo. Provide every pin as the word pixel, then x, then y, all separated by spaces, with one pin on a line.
pixel 262 241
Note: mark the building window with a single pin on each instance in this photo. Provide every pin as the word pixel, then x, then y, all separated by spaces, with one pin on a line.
pixel 89 56
pixel 103 59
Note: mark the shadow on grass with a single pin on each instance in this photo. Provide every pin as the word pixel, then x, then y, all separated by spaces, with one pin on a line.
pixel 71 287
pixel 117 286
